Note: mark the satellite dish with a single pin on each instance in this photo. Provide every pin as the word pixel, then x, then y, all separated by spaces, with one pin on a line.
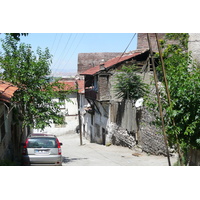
pixel 139 103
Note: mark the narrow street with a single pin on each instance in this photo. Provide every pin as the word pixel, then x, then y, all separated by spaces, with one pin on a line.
pixel 91 154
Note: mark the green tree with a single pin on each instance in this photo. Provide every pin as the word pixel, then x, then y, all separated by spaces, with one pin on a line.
pixel 129 84
pixel 182 116
pixel 30 72
pixel 17 36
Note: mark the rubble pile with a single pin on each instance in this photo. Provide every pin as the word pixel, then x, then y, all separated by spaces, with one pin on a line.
pixel 121 137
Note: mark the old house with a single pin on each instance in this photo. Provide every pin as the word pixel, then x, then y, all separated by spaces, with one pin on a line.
pixel 102 112
pixel 106 118
pixel 69 109
pixel 11 134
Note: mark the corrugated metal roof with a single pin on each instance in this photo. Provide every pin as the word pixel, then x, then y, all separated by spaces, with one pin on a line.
pixel 113 62
pixel 6 91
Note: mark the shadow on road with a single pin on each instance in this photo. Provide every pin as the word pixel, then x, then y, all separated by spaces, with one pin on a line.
pixel 67 159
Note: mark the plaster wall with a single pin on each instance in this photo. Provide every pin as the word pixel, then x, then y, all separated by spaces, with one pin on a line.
pixel 5 142
pixel 96 124
pixel 193 45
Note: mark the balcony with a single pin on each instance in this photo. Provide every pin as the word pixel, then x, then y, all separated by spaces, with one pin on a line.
pixel 91 94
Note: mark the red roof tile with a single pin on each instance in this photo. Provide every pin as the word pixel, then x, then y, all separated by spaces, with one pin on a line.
pixel 71 84
pixel 81 86
pixel 91 71
pixel 111 63
pixel 6 91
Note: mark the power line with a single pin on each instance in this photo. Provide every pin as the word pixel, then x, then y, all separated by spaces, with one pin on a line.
pixel 127 46
pixel 58 43
pixel 58 63
pixel 75 49
pixel 54 41
pixel 66 52
pixel 71 45
pixel 63 50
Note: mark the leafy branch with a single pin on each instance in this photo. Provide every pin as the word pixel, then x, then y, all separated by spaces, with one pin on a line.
pixel 183 77
pixel 30 72
pixel 129 84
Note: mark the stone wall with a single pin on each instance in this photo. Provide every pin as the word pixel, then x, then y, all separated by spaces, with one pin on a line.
pixel 151 139
pixel 129 127
pixel 143 42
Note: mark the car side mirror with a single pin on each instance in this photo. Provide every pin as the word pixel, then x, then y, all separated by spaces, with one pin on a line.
pixel 61 143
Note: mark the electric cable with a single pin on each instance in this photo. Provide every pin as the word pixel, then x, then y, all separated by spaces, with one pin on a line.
pixel 58 65
pixel 53 42
pixel 75 49
pixel 55 71
pixel 63 50
pixel 58 44
pixel 127 47
pixel 59 60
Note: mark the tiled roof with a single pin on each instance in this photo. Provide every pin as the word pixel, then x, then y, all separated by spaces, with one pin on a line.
pixel 81 86
pixel 71 84
pixel 6 91
pixel 92 70
pixel 113 62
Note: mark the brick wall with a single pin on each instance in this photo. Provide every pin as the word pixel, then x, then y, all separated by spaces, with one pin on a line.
pixel 88 60
pixel 143 42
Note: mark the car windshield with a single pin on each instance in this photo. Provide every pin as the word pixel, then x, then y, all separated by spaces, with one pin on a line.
pixel 41 142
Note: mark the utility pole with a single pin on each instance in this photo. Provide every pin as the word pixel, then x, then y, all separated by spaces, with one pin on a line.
pixel 168 93
pixel 79 113
pixel 159 100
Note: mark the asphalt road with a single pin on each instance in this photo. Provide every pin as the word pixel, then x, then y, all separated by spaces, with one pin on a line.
pixel 91 154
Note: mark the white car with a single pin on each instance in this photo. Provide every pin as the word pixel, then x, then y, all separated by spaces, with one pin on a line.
pixel 42 149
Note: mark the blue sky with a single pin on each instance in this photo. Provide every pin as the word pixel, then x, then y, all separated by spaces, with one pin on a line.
pixel 65 46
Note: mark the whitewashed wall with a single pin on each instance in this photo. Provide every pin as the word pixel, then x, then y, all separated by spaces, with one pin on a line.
pixel 193 45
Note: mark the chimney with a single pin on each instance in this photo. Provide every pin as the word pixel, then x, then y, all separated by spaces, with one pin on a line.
pixel 102 65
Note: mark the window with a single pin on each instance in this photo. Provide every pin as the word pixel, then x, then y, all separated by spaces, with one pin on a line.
pixel 96 83
pixel 42 143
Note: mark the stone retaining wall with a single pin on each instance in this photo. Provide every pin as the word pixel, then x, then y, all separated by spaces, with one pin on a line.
pixel 125 134
pixel 152 141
